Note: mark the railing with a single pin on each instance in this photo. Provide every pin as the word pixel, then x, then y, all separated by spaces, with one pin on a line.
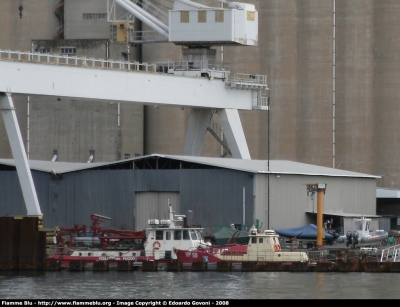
pixel 248 80
pixel 391 254
pixel 189 66
pixel 57 59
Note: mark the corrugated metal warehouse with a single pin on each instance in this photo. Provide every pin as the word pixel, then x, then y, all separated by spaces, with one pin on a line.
pixel 212 192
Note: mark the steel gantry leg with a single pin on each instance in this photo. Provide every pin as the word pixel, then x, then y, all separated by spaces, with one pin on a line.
pixel 234 133
pixel 18 151
pixel 199 120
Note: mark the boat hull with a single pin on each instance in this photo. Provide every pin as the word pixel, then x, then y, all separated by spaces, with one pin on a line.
pixel 210 255
pixel 238 255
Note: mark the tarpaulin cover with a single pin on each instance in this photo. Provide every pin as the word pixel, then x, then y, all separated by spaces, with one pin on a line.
pixel 222 236
pixel 305 232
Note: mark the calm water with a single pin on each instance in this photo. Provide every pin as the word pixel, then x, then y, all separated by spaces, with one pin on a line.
pixel 198 285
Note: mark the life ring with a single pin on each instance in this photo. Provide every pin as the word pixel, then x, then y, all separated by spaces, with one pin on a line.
pixel 156 245
pixel 277 247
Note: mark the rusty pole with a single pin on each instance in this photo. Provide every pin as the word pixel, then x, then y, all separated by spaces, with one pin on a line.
pixel 320 188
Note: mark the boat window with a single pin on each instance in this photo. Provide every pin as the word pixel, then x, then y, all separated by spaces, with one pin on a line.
pixel 177 234
pixel 260 240
pixel 253 240
pixel 186 235
pixel 167 235
pixel 267 240
pixel 366 226
pixel 357 225
pixel 159 235
pixel 193 235
pixel 198 235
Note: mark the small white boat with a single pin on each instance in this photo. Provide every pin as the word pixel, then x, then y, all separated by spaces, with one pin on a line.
pixel 263 247
pixel 362 236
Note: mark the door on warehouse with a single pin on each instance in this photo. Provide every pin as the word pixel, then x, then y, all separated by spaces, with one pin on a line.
pixel 154 205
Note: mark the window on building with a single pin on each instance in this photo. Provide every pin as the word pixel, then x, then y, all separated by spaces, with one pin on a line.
pixel 68 50
pixel 184 17
pixel 95 16
pixel 177 234
pixel 42 50
pixel 219 16
pixel 251 16
pixel 113 33
pixel 159 235
pixel 202 16
pixel 127 156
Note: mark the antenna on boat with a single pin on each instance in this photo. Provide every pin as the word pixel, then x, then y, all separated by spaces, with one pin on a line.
pixel 190 215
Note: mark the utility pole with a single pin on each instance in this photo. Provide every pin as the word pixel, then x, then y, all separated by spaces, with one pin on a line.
pixel 320 188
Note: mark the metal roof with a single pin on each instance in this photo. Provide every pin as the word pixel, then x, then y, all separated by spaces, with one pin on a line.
pixel 355 215
pixel 387 193
pixel 58 167
pixel 252 166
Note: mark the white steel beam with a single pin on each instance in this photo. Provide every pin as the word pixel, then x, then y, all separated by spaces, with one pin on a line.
pixel 199 120
pixel 18 151
pixel 147 88
pixel 234 134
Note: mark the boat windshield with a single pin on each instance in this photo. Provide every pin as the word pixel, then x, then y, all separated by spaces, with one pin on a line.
pixel 193 235
pixel 186 235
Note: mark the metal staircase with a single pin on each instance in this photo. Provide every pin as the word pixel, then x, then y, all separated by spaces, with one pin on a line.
pixel 59 11
pixel 217 132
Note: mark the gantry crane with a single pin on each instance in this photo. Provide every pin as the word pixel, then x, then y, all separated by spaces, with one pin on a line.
pixel 193 83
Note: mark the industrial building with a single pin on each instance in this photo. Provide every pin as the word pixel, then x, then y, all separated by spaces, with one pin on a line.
pixel 332 73
pixel 211 192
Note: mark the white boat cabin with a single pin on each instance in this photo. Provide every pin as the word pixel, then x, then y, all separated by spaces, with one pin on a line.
pixel 165 235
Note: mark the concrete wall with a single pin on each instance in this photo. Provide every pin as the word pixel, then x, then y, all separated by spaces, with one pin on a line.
pixel 38 21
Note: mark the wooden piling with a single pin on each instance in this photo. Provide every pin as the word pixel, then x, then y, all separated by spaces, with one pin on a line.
pixel 174 266
pixel 224 266
pixel 125 265
pixel 151 266
pixel 101 266
pixel 53 266
pixel 76 266
pixel 199 266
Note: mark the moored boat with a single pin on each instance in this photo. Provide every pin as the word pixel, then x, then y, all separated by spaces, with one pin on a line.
pixel 263 247
pixel 156 243
pixel 362 236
